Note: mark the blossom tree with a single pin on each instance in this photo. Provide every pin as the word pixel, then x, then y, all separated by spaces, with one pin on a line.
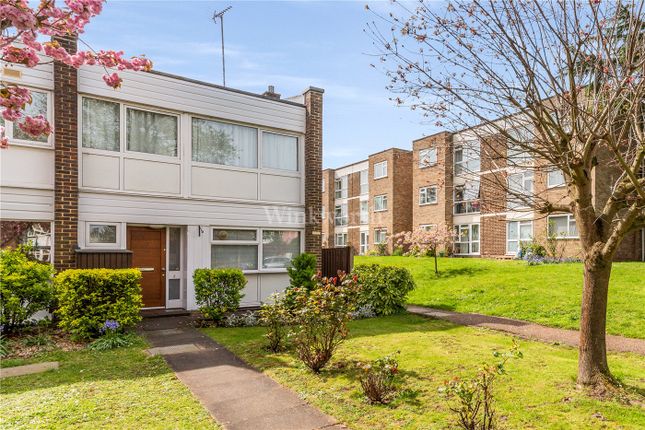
pixel 551 85
pixel 22 30
pixel 425 241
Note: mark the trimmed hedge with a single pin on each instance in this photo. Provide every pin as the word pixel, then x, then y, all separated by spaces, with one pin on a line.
pixel 385 288
pixel 89 297
pixel 25 287
pixel 218 291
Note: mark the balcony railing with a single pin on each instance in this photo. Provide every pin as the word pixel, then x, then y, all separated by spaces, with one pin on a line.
pixel 467 207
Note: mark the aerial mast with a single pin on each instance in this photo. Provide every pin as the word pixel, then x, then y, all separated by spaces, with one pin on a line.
pixel 220 15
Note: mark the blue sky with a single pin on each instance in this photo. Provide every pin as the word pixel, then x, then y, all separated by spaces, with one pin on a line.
pixel 289 44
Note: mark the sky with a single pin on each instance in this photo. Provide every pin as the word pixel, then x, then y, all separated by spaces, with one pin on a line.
pixel 289 44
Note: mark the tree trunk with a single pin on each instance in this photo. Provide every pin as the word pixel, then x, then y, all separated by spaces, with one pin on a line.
pixel 436 267
pixel 592 360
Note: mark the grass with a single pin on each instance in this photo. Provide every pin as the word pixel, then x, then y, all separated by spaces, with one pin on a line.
pixel 539 391
pixel 547 294
pixel 118 389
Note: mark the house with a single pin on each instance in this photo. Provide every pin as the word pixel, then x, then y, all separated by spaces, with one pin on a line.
pixel 168 173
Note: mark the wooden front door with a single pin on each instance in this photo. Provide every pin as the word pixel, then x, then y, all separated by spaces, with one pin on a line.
pixel 148 246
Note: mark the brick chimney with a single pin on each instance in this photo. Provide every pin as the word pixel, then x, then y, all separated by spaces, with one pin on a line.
pixel 313 171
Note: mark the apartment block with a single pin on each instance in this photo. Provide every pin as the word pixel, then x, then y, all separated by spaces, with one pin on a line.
pixel 365 202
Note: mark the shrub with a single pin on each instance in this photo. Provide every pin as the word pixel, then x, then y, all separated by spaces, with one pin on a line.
pixel 25 287
pixel 244 319
pixel 474 398
pixel 385 288
pixel 4 346
pixel 302 271
pixel 218 291
pixel 321 317
pixel 531 249
pixel 380 249
pixel 378 379
pixel 89 297
pixel 276 317
pixel 112 337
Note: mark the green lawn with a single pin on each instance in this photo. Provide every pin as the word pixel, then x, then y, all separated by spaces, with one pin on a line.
pixel 539 391
pixel 546 294
pixel 120 389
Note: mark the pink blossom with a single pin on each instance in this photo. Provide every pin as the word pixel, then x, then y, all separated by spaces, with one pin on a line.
pixel 113 80
pixel 4 141
pixel 26 56
pixel 35 126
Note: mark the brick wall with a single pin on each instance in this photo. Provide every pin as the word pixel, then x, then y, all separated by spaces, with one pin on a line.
pixel 492 236
pixel 328 205
pixel 313 171
pixel 66 160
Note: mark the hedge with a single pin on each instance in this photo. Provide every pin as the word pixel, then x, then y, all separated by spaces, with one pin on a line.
pixel 385 288
pixel 218 291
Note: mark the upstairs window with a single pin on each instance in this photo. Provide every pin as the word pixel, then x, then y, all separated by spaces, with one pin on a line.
pixel 380 170
pixel 226 144
pixel 364 182
pixel 427 157
pixel 555 178
pixel 340 215
pixel 428 195
pixel 39 106
pixel 364 212
pixel 467 157
pixel 520 186
pixel 380 203
pixel 466 198
pixel 341 188
pixel 279 151
pixel 101 127
pixel 151 132
pixel 517 154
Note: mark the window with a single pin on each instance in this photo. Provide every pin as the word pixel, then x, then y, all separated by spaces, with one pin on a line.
pixel 380 170
pixel 427 227
pixel 323 185
pixel 427 157
pixel 517 232
pixel 365 189
pixel 380 236
pixel 341 239
pixel 364 245
pixel 555 178
pixel 102 234
pixel 234 248
pixel 151 132
pixel 467 198
pixel 222 143
pixel 467 157
pixel 364 212
pixel 174 249
pixel 428 195
pixel 520 187
pixel 39 106
pixel 101 128
pixel 279 247
pixel 380 203
pixel 467 239
pixel 341 187
pixel 279 151
pixel 562 226
pixel 517 155
pixel 36 234
pixel 340 215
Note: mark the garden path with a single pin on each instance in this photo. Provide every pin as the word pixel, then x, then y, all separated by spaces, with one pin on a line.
pixel 236 395
pixel 528 330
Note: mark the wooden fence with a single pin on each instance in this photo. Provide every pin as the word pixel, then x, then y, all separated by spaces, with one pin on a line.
pixel 335 259
pixel 108 259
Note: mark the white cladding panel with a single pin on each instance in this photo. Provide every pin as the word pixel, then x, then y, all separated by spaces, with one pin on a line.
pixel 180 211
pixel 186 96
pixel 152 176
pixel 26 166
pixel 276 188
pixel 100 171
pixel 26 204
pixel 272 283
pixel 213 182
pixel 41 76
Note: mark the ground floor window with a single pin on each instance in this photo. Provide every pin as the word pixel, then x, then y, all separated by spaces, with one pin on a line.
pixel 562 226
pixel 243 249
pixel 38 235
pixel 364 242
pixel 467 239
pixel 517 232
pixel 341 239
pixel 380 236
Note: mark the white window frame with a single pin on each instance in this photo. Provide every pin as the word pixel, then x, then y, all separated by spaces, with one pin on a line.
pixel 382 198
pixel 468 154
pixel 341 193
pixel 380 170
pixel 473 204
pixel 527 177
pixel 115 245
pixel 8 125
pixel 257 242
pixel 124 135
pixel 364 176
pixel 342 219
pixel 427 157
pixel 341 235
pixel 322 189
pixel 548 179
pixel 378 231
pixel 364 245
pixel 570 220
pixel 427 227
pixel 261 150
pixel 470 240
pixel 364 215
pixel 424 195
pixel 518 239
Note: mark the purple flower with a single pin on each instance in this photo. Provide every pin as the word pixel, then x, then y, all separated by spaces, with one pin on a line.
pixel 110 325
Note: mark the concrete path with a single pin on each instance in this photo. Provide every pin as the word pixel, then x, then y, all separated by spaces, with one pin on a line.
pixel 528 330
pixel 235 394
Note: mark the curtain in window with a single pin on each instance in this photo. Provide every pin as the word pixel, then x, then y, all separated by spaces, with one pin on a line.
pixel 152 132
pixel 226 144
pixel 244 257
pixel 279 247
pixel 101 124
pixel 279 151
pixel 38 106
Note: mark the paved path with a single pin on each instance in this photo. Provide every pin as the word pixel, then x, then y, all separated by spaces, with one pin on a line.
pixel 528 330
pixel 235 394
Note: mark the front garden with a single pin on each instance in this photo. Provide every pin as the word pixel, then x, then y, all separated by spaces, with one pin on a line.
pixel 548 294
